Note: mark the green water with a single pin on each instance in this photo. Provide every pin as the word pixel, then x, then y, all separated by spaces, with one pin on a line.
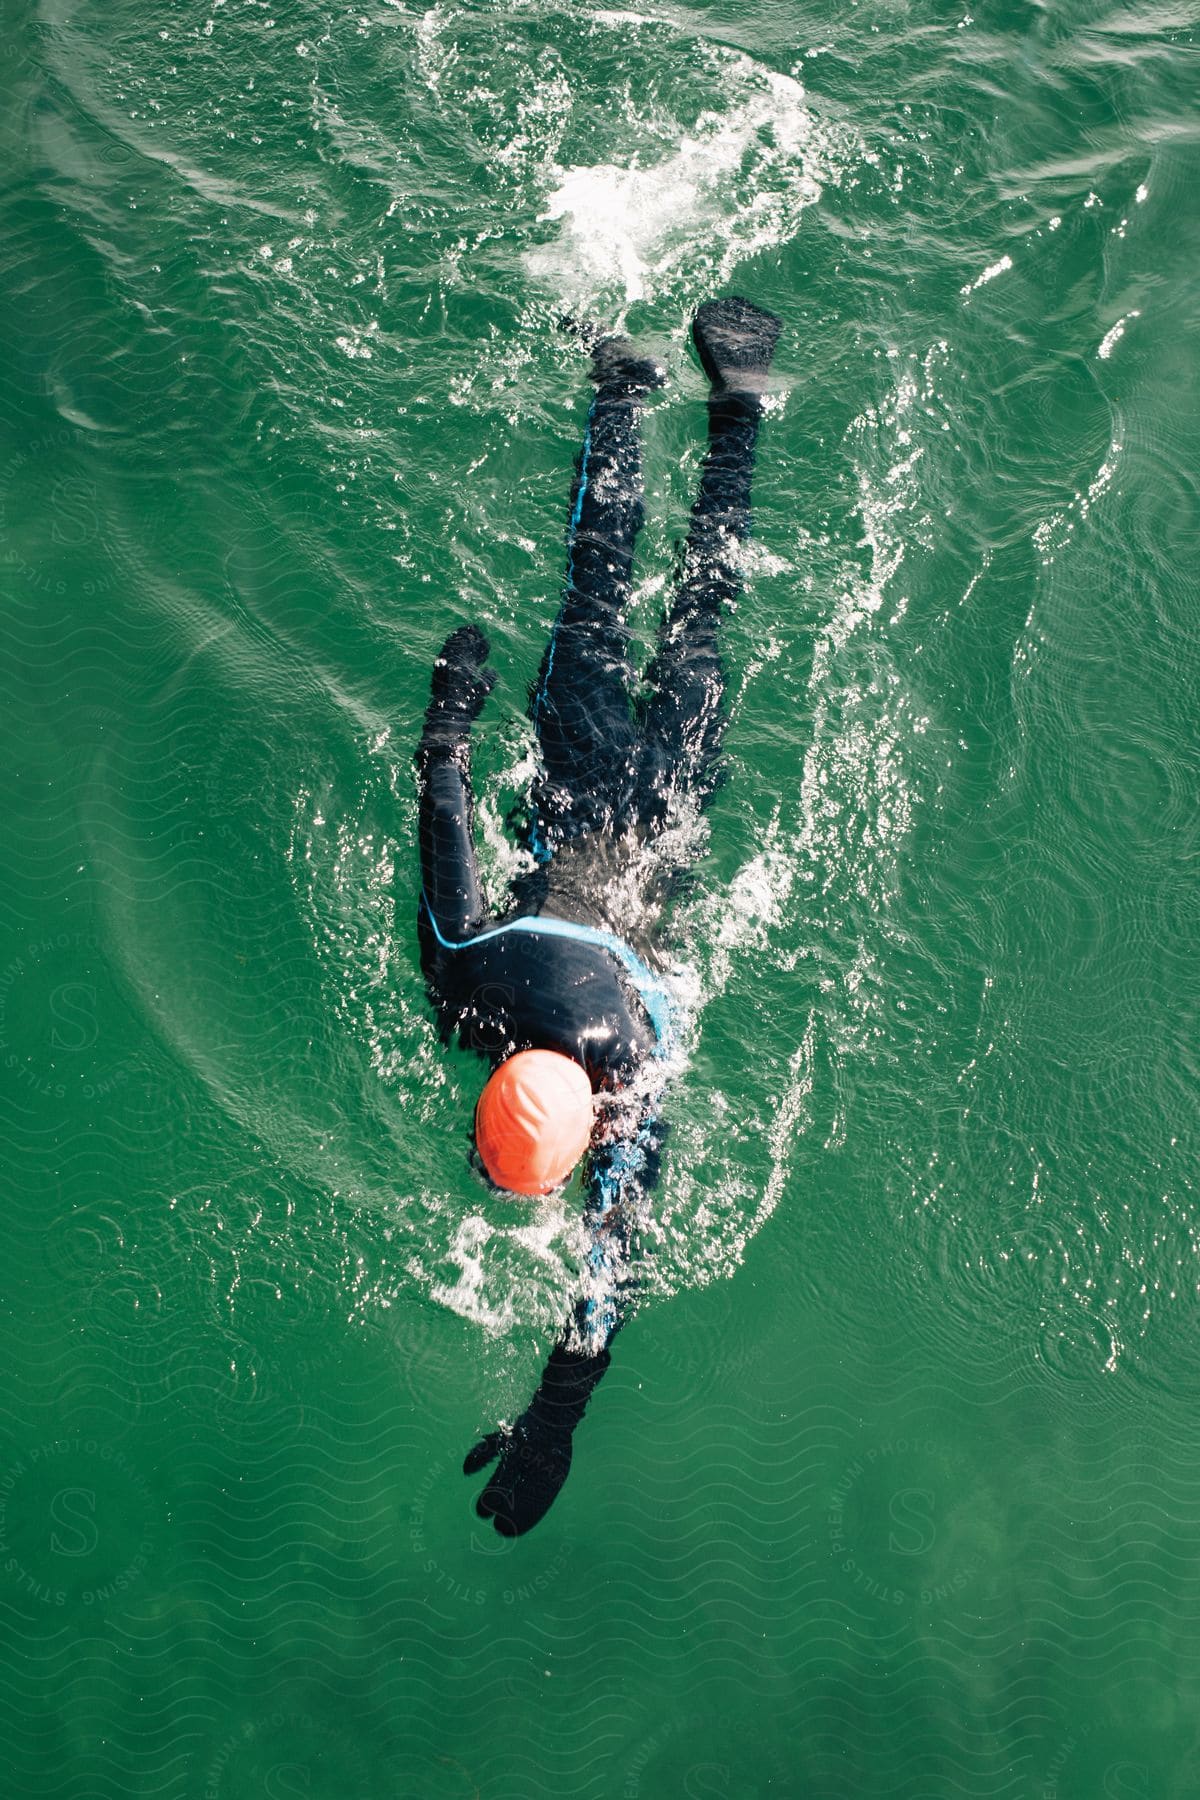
pixel 893 1489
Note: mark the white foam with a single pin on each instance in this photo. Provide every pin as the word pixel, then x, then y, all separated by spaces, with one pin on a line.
pixel 488 1287
pixel 789 1120
pixel 1055 533
pixel 1112 338
pixel 989 274
pixel 739 178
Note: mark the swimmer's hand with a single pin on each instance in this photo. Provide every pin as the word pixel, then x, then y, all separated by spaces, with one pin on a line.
pixel 535 1453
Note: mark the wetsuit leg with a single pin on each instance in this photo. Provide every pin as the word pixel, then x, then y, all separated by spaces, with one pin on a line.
pixel 580 705
pixel 451 898
pixel 684 720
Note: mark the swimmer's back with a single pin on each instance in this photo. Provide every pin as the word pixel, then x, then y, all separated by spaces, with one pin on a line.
pixel 541 982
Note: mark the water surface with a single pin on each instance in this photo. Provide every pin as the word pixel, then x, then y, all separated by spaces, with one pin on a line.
pixel 892 1488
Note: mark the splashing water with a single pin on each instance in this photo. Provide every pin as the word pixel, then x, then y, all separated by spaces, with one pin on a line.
pixel 741 178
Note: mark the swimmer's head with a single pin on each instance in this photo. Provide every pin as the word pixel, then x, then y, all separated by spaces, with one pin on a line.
pixel 533 1121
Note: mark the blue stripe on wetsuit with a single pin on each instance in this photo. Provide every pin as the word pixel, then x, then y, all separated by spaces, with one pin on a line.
pixel 650 990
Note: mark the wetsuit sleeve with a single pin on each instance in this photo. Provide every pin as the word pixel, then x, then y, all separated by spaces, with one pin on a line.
pixel 449 878
pixel 533 1456
pixel 623 1170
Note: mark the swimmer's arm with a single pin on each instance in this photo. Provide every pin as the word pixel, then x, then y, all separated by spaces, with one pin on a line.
pixel 449 877
pixel 623 1170
pixel 535 1453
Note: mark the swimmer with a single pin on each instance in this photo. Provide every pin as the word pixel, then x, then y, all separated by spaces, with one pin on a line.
pixel 563 995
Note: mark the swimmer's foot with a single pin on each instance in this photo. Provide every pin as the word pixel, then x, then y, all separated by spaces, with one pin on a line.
pixel 735 341
pixel 618 366
pixel 586 330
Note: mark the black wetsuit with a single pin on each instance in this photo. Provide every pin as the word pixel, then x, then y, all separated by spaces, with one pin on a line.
pixel 553 973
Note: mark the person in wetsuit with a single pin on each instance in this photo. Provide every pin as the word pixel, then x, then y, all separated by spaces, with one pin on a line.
pixel 555 975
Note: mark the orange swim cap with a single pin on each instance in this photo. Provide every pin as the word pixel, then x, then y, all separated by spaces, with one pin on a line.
pixel 533 1121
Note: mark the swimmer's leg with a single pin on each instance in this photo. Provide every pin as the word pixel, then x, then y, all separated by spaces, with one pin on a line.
pixel 580 705
pixel 684 722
